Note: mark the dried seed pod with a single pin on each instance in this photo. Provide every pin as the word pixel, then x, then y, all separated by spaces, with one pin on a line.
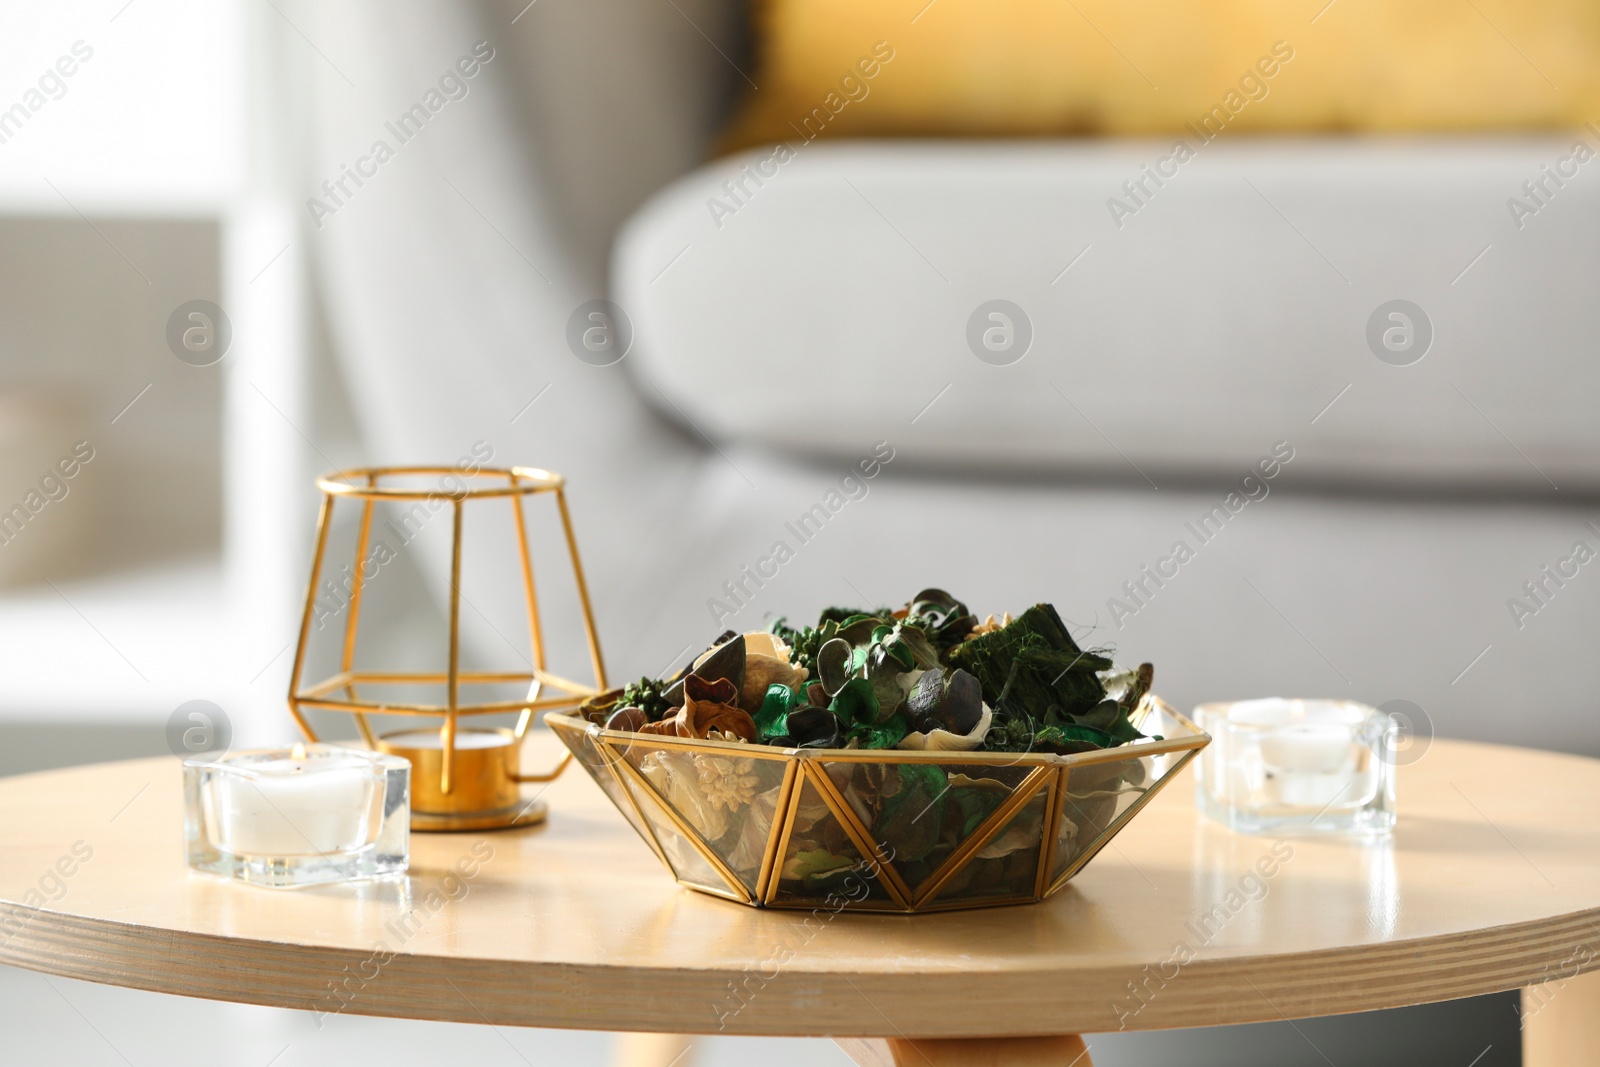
pixel 963 703
pixel 812 727
pixel 924 700
pixel 944 740
pixel 629 719
pixel 950 701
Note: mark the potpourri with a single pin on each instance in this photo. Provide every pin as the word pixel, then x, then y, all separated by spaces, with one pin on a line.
pixel 928 676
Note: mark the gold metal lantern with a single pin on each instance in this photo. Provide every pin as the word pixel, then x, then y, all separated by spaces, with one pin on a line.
pixel 463 778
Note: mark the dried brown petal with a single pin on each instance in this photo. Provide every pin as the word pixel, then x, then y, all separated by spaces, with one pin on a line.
pixel 698 718
pixel 707 717
pixel 721 691
pixel 668 727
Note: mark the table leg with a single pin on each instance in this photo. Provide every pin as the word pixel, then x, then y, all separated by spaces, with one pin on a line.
pixel 1561 1022
pixel 653 1050
pixel 967 1052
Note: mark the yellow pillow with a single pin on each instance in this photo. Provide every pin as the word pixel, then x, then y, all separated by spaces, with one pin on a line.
pixel 1038 67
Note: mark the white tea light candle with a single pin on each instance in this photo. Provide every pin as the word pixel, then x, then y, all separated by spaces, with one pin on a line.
pixel 294 807
pixel 301 816
pixel 1297 766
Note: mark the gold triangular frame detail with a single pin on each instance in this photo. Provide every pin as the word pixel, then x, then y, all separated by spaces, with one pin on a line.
pixel 778 835
pixel 736 887
pixel 1052 830
pixel 1112 829
pixel 861 837
pixel 649 834
pixel 986 832
pixel 625 781
pixel 782 828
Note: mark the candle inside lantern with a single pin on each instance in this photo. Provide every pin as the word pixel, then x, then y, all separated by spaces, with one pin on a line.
pixel 309 814
pixel 482 781
pixel 464 739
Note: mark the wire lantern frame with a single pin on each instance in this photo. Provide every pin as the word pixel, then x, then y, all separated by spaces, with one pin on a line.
pixel 340 691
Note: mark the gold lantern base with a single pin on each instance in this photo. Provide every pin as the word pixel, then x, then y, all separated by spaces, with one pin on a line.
pixel 485 792
pixel 529 814
pixel 462 779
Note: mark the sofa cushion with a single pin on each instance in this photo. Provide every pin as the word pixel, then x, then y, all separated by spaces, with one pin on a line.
pixel 876 67
pixel 820 300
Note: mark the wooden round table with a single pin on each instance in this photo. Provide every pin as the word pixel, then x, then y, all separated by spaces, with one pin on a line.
pixel 1490 882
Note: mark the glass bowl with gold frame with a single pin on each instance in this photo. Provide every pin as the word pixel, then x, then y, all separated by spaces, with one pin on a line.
pixel 883 830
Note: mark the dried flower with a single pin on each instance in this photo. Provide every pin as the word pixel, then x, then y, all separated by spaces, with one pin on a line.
pixel 669 773
pixel 727 782
pixel 990 625
pixel 707 707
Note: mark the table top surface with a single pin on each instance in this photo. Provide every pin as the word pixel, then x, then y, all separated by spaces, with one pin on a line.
pixel 1490 881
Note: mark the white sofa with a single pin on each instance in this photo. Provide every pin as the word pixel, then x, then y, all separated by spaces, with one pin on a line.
pixel 1226 314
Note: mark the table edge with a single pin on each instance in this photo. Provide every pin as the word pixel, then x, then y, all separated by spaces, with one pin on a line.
pixel 602 997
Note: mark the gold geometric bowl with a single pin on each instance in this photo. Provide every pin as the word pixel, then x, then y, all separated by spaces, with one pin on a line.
pixel 877 829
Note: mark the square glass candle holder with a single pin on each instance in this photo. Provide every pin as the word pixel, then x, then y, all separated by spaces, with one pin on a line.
pixel 1298 767
pixel 309 815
